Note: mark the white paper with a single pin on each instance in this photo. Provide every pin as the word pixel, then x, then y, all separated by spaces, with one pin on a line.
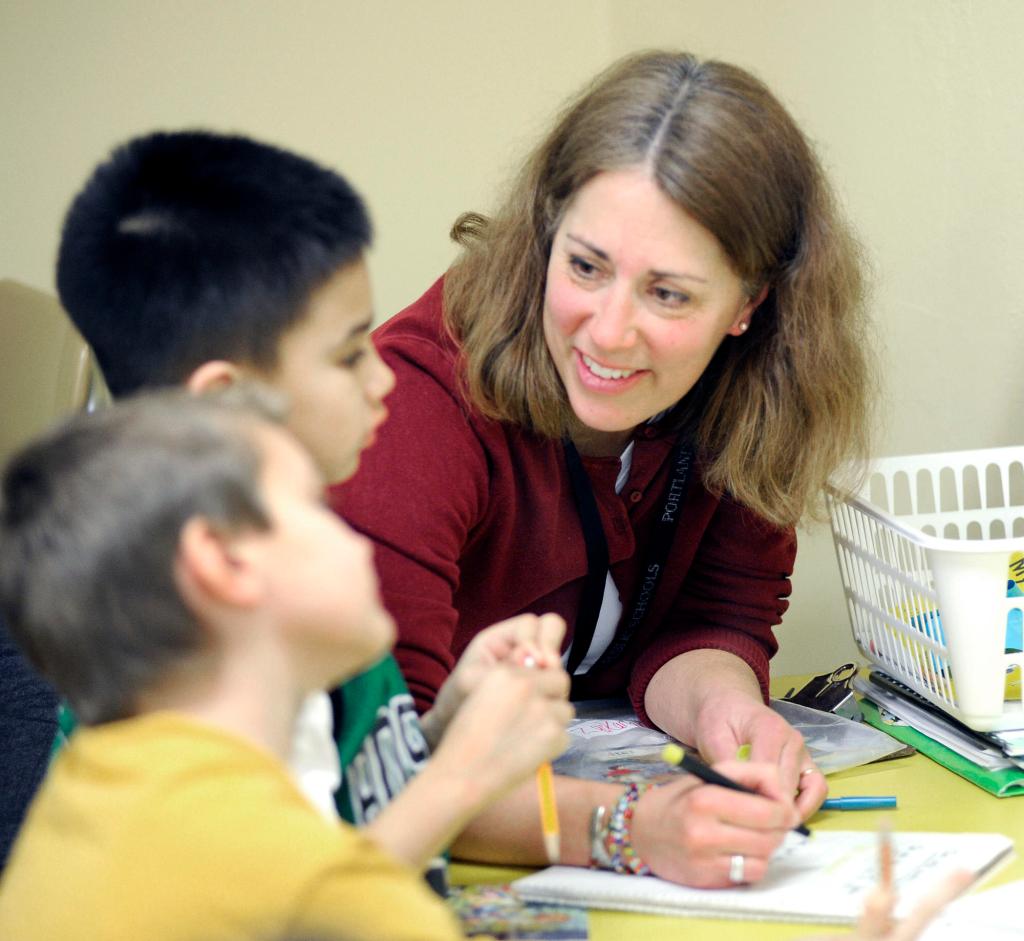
pixel 822 879
pixel 993 915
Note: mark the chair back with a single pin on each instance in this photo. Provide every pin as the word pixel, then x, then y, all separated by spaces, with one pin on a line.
pixel 46 369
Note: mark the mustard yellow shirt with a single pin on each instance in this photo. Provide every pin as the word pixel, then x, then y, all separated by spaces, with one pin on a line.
pixel 159 828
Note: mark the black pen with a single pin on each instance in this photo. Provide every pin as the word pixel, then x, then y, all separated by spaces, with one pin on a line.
pixel 677 755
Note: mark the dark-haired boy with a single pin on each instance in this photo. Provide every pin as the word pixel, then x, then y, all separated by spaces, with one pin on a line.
pixel 170 566
pixel 202 259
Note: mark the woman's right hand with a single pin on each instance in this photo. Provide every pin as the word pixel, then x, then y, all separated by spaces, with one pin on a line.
pixel 514 720
pixel 688 832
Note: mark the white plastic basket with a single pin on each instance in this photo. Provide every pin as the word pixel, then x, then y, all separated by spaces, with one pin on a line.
pixel 924 552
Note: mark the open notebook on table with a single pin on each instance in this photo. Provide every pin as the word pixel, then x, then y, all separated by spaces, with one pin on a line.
pixel 821 879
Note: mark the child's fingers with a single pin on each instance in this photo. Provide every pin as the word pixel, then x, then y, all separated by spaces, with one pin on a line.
pixel 553 683
pixel 912 926
pixel 876 919
pixel 877 924
pixel 544 631
pixel 539 640
pixel 550 682
pixel 550 632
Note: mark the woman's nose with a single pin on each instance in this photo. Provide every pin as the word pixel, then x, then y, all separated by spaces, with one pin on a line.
pixel 613 323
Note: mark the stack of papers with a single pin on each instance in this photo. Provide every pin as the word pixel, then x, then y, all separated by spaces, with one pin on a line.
pixel 979 747
pixel 994 761
pixel 1011 742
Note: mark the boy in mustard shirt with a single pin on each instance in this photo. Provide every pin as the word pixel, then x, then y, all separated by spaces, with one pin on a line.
pixel 169 565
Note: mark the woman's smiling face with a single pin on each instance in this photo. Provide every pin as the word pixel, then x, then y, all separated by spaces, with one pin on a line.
pixel 638 298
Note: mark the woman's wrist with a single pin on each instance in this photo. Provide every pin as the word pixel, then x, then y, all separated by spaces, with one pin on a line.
pixel 611 835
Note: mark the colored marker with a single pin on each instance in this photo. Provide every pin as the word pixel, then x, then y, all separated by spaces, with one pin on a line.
pixel 676 755
pixel 859 803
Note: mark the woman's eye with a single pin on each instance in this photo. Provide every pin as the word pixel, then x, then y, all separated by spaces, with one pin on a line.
pixel 670 297
pixel 582 267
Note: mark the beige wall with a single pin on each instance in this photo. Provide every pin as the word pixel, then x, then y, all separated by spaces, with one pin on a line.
pixel 915 106
pixel 422 105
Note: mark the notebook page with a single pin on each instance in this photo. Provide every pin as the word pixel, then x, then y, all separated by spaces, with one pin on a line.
pixel 821 879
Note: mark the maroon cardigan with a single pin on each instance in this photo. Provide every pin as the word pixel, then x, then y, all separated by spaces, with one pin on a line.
pixel 474 521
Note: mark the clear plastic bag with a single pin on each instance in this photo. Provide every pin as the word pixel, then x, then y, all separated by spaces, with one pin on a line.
pixel 609 744
pixel 834 742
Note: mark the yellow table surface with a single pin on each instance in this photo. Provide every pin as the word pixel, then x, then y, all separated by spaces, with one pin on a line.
pixel 929 798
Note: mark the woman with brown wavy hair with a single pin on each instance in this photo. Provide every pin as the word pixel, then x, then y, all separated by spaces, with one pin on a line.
pixel 616 405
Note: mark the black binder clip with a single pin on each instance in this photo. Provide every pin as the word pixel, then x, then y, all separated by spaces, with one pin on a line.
pixel 830 692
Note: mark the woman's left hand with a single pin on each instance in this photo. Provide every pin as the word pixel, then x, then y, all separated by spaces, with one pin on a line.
pixel 732 718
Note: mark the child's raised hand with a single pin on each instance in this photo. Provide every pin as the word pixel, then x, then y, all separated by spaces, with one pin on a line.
pixel 505 728
pixel 525 640
pixel 538 637
pixel 877 922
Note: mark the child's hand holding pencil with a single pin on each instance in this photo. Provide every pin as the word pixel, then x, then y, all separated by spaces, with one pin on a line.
pixel 511 678
pixel 502 733
pixel 546 797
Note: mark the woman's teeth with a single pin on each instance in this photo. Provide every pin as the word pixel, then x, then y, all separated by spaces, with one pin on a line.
pixel 603 372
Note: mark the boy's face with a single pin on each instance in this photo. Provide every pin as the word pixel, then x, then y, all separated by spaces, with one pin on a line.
pixel 321 583
pixel 329 369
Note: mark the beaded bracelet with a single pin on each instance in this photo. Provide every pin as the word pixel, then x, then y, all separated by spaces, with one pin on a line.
pixel 616 840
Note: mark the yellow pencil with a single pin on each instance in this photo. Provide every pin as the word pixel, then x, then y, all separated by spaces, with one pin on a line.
pixel 548 812
pixel 548 804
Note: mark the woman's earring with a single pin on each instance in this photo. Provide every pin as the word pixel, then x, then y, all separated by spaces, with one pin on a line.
pixel 743 327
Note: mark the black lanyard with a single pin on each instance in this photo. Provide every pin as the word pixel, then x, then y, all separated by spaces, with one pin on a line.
pixel 597 555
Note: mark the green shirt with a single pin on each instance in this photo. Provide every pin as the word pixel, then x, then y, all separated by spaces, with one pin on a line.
pixel 380 742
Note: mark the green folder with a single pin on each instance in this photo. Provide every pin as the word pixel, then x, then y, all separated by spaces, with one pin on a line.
pixel 1008 782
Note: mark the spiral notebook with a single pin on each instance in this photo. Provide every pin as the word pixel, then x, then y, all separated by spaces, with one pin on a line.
pixel 822 879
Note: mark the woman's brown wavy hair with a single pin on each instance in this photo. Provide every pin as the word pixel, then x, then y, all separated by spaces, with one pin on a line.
pixel 779 408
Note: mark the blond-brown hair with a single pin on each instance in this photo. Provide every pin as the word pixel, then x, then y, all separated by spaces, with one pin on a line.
pixel 778 409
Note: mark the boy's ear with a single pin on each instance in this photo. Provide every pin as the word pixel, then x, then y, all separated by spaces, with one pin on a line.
pixel 212 570
pixel 212 375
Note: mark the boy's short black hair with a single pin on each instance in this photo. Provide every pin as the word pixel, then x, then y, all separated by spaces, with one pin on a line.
pixel 190 246
pixel 90 521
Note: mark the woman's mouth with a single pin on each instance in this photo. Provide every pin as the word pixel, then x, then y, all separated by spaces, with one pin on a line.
pixel 606 372
pixel 600 377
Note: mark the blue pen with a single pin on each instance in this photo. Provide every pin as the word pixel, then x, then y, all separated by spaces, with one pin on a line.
pixel 858 803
